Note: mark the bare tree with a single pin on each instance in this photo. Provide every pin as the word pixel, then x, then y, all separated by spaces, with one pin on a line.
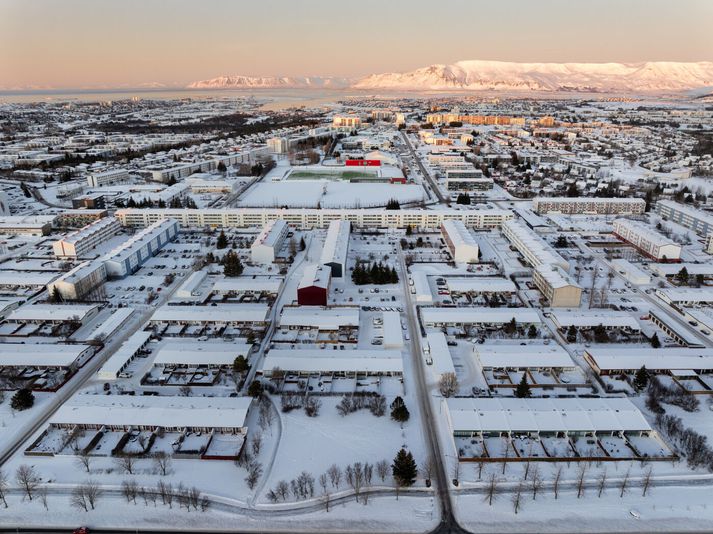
pixel 335 475
pixel 580 479
pixel 358 470
pixel 601 483
pixel 130 489
pixel 78 499
pixel 382 469
pixel 282 489
pixel 535 481
pixel 517 497
pixel 349 475
pixel 448 384
pixel 266 414
pixel 506 453
pixel 3 487
pixel 84 460
pixel 28 479
pixel 92 492
pixel 125 463
pixel 426 468
pixel 42 493
pixel 323 481
pixel 491 492
pixel 254 474
pixel 624 484
pixel 556 481
pixel 456 472
pixel 256 443
pixel 646 482
pixel 162 462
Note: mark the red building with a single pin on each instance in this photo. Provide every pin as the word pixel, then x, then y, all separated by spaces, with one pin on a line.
pixel 313 289
pixel 363 163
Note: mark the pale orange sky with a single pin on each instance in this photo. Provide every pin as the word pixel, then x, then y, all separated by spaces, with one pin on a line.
pixel 113 43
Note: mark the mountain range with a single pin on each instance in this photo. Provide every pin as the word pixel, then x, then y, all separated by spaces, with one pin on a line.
pixel 475 75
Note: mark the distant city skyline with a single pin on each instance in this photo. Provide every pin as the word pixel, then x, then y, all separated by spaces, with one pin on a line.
pixel 129 43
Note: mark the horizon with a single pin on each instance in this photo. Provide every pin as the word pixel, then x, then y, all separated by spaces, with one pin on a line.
pixel 145 45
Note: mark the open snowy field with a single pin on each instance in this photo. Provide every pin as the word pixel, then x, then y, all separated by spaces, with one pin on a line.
pixel 326 194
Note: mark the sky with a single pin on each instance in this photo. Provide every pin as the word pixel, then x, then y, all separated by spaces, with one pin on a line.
pixel 127 43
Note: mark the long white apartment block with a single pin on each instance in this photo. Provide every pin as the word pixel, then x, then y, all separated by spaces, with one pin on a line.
pixel 647 240
pixel 308 218
pixel 84 240
pixel 699 221
pixel 110 177
pixel 532 247
pixel 130 255
pixel 589 206
pixel 268 242
pixel 460 242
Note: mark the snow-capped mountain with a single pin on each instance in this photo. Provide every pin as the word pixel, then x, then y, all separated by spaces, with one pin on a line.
pixel 271 82
pixel 507 76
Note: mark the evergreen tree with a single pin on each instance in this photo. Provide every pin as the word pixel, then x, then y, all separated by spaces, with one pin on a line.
pixel 409 230
pixel 22 400
pixel 404 468
pixel 303 245
pixel 655 343
pixel 399 412
pixel 222 241
pixel 393 204
pixel 572 334
pixel 641 378
pixel 255 389
pixel 232 266
pixel 523 388
pixel 532 332
pixel 682 276
pixel 240 364
pixel 600 334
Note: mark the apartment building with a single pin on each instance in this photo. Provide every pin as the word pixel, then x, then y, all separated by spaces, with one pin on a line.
pixel 111 177
pixel 460 242
pixel 308 218
pixel 647 240
pixel 688 217
pixel 80 282
pixel 78 244
pixel 268 242
pixel 590 206
pixel 336 247
pixel 557 287
pixel 128 257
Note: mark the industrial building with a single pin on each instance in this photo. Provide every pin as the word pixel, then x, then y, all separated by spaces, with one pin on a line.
pixel 336 247
pixel 313 289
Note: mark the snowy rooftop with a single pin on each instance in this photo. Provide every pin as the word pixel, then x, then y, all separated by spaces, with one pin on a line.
pixel 433 315
pixel 224 313
pixel 52 312
pixel 336 243
pixel 181 412
pixel 658 359
pixel 528 356
pixel 40 355
pixel 687 294
pixel 326 360
pixel 591 318
pixel 480 284
pixel 240 284
pixel 545 415
pixel 322 318
pixel 315 276
pixel 182 352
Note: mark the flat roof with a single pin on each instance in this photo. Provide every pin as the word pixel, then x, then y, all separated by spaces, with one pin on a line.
pixel 223 313
pixel 688 294
pixel 91 229
pixel 320 317
pixel 52 312
pixel 479 315
pixel 315 276
pixel 591 318
pixel 336 243
pixel 458 234
pixel 671 269
pixel 239 284
pixel 270 233
pixel 183 352
pixel 545 415
pixel 527 356
pixel 440 353
pixel 653 359
pixel 181 412
pixel 40 355
pixel 647 232
pixel 326 360
pixel 27 278
pixel 127 349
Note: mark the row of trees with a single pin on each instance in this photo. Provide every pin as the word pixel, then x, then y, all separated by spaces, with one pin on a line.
pixel 376 273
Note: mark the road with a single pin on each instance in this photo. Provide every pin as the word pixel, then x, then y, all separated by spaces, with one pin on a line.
pixel 84 374
pixel 424 172
pixel 448 522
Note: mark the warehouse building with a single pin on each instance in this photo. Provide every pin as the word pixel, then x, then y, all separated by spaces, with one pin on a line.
pixel 647 240
pixel 313 289
pixel 336 247
pixel 269 241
